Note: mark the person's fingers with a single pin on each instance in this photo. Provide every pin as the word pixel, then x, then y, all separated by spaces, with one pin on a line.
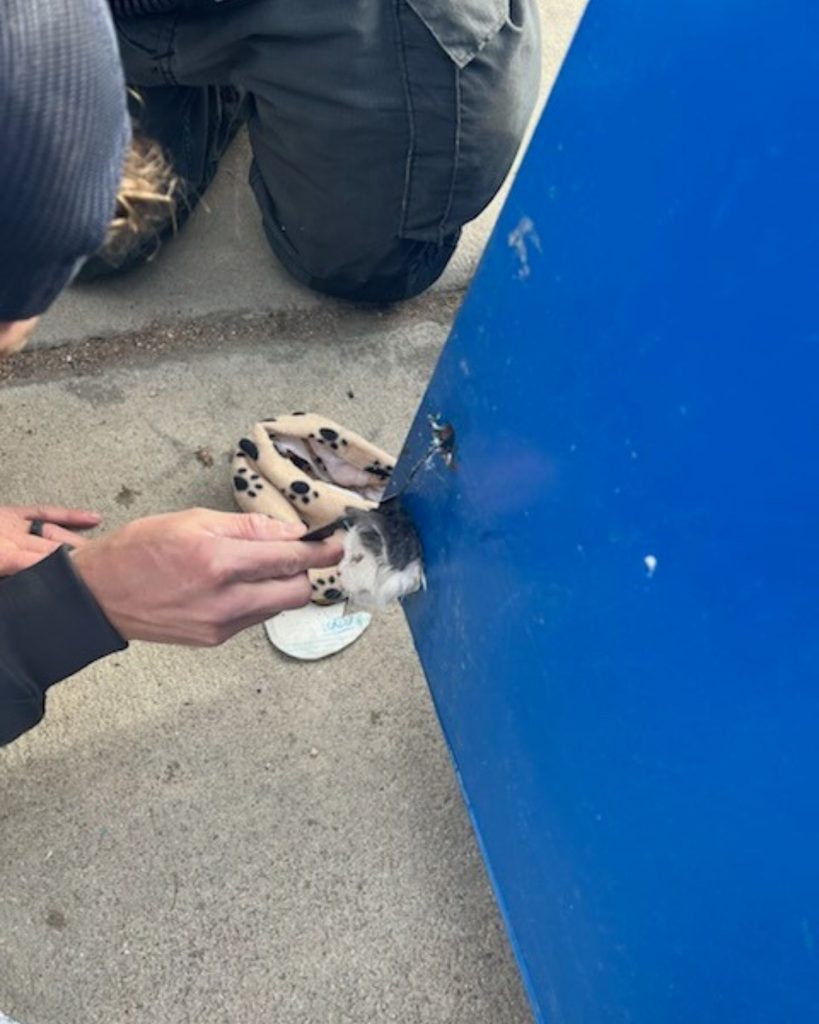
pixel 272 560
pixel 77 518
pixel 41 546
pixel 255 602
pixel 14 560
pixel 181 577
pixel 250 526
pixel 62 536
pixel 247 604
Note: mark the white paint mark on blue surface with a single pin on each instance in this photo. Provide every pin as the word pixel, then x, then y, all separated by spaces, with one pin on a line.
pixel 519 239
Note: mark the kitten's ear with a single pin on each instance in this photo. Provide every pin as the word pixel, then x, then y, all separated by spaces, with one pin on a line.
pixel 363 522
pixel 372 539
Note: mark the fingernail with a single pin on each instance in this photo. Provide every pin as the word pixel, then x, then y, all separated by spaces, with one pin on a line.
pixel 293 529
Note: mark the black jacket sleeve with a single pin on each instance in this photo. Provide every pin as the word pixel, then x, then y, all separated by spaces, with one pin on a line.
pixel 50 628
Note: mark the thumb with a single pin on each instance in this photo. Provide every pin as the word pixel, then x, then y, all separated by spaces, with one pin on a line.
pixel 252 526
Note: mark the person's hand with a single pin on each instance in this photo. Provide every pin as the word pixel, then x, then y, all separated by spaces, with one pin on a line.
pixel 197 577
pixel 20 549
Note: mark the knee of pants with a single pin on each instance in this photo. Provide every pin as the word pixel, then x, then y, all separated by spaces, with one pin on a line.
pixel 406 270
pixel 461 158
pixel 388 269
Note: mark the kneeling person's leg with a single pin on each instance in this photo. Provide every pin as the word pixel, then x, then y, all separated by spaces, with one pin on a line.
pixel 377 138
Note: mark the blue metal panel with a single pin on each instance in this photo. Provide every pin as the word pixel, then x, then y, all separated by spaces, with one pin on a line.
pixel 620 631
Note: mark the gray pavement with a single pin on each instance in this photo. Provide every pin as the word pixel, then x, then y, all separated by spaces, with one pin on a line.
pixel 227 834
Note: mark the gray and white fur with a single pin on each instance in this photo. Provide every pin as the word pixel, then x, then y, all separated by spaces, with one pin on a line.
pixel 383 559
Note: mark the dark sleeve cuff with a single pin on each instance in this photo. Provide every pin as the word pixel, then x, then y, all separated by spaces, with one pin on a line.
pixel 50 628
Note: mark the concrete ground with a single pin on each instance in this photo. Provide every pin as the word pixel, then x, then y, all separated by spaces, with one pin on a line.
pixel 227 834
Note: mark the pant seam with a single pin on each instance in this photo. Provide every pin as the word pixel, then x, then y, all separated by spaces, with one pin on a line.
pixel 187 134
pixel 405 81
pixel 456 156
pixel 166 63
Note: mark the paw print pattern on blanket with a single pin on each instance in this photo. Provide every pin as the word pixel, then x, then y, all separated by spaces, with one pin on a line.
pixel 300 491
pixel 327 588
pixel 246 482
pixel 306 468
